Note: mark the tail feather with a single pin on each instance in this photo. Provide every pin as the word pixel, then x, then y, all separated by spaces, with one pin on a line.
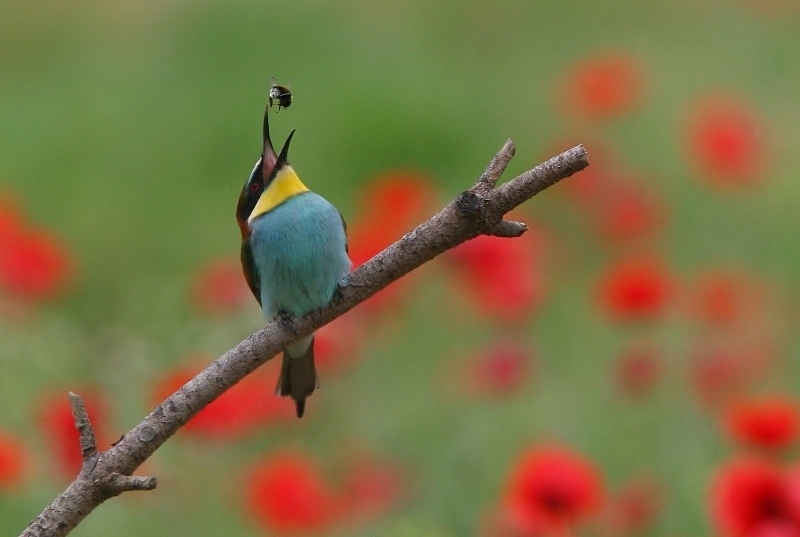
pixel 298 377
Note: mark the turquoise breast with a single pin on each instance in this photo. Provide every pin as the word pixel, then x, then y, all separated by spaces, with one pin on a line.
pixel 300 254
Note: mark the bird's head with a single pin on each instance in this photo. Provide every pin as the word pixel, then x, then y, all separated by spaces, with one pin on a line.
pixel 271 182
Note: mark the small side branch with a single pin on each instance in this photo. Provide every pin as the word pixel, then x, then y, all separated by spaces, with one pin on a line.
pixel 87 440
pixel 498 165
pixel 480 210
pixel 95 483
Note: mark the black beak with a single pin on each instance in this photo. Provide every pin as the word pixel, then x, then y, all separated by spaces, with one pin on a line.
pixel 268 156
pixel 284 156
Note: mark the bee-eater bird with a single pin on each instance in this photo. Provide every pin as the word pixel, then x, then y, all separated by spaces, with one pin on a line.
pixel 294 255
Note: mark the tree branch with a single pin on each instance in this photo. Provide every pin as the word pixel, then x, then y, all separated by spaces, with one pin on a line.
pixel 86 440
pixel 477 211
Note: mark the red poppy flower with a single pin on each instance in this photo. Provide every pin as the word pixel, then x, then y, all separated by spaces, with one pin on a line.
pixel 620 205
pixel 722 298
pixel 634 289
pixel 390 205
pixel 604 86
pixel 497 370
pixel 634 508
pixel 220 287
pixel 626 212
pixel 34 265
pixel 287 493
pixel 727 141
pixel 717 374
pixel 13 457
pixel 553 488
pixel 402 197
pixel 771 422
pixel 371 488
pixel 718 300
pixel 753 498
pixel 247 406
pixel 58 428
pixel 504 276
pixel 637 371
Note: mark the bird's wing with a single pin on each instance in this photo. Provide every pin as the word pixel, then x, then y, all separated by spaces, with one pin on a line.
pixel 250 272
pixel 344 226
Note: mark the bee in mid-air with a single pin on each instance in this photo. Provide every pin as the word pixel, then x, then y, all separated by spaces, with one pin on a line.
pixel 279 95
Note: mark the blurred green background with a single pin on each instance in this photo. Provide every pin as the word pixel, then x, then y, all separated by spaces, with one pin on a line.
pixel 128 128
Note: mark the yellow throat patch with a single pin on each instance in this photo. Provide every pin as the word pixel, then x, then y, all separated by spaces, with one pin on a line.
pixel 285 185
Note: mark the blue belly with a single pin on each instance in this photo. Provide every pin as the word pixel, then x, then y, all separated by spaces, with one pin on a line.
pixel 299 251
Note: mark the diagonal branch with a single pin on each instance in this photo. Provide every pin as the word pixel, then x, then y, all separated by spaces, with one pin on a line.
pixel 477 211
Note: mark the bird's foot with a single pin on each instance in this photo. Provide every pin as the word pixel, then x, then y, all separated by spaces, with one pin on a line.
pixel 288 321
pixel 337 291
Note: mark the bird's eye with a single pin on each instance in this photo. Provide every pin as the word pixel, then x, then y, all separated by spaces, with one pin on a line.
pixel 254 187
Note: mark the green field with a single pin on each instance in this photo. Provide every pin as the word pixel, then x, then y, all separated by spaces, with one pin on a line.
pixel 127 130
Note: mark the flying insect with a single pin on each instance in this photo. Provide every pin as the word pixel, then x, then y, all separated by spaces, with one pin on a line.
pixel 280 95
